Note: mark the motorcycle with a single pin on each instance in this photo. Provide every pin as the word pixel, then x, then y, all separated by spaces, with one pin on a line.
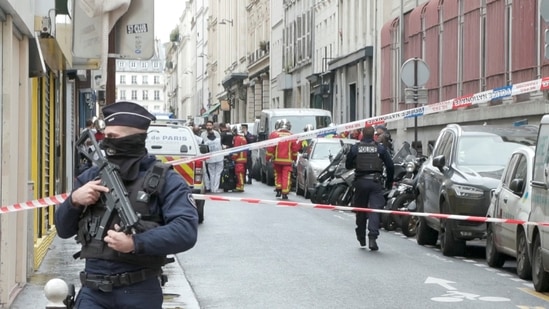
pixel 343 190
pixel 402 196
pixel 324 185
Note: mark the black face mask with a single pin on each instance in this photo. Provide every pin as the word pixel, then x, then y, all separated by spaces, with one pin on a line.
pixel 126 152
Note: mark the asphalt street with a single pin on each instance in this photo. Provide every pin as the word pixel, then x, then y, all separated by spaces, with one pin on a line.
pixel 264 256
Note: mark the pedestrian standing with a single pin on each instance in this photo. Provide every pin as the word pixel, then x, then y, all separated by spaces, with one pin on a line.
pixel 250 138
pixel 368 158
pixel 240 160
pixel 123 270
pixel 283 154
pixel 214 164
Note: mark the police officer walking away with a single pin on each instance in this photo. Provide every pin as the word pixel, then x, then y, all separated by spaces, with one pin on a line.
pixel 123 270
pixel 368 158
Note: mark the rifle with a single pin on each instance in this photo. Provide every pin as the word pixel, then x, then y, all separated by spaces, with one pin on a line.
pixel 117 197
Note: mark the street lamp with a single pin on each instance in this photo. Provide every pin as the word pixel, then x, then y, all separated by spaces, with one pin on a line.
pixel 225 21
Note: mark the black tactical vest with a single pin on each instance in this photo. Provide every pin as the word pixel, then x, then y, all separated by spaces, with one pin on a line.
pixel 367 159
pixel 143 194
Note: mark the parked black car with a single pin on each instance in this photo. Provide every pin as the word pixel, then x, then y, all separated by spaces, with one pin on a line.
pixel 466 164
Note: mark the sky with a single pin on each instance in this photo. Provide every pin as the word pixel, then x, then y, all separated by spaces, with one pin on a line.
pixel 166 17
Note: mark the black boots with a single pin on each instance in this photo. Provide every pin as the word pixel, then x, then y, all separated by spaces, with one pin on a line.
pixel 278 193
pixel 284 196
pixel 372 244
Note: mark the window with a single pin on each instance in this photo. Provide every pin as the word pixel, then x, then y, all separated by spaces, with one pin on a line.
pixel 156 64
pixel 145 94
pixel 156 107
pixel 134 79
pixel 144 64
pixel 156 80
pixel 121 64
pixel 122 94
pixel 122 79
pixel 157 95
pixel 133 65
pixel 134 94
pixel 145 80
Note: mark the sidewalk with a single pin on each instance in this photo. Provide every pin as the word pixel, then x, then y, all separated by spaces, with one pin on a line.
pixel 59 263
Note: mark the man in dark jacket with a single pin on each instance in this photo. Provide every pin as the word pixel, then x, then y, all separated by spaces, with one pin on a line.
pixel 368 158
pixel 122 270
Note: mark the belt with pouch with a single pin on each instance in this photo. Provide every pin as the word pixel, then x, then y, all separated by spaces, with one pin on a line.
pixel 106 283
pixel 374 177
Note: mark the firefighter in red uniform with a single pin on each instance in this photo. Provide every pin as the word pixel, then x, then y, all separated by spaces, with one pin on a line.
pixel 240 160
pixel 283 155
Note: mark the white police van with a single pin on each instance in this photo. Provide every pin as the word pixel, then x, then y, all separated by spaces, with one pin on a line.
pixel 169 142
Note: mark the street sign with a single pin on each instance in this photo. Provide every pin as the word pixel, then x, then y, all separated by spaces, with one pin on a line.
pixel 135 31
pixel 414 72
pixel 415 95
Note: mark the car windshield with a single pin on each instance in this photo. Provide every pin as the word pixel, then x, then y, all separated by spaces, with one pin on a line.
pixel 483 153
pixel 322 151
pixel 299 122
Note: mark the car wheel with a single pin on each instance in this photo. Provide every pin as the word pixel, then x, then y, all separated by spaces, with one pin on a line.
pixel 269 178
pixel 256 172
pixel 306 193
pixel 200 209
pixel 263 176
pixel 298 190
pixel 426 236
pixel 493 257
pixel 314 195
pixel 389 223
pixel 449 245
pixel 524 266
pixel 540 278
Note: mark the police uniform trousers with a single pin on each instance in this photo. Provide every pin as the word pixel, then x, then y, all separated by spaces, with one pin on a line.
pixel 368 194
pixel 142 295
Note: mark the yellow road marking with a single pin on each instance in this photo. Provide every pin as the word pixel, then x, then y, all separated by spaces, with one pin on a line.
pixel 543 296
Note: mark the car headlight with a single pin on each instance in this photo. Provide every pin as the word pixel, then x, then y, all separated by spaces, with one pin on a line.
pixel 468 191
pixel 410 167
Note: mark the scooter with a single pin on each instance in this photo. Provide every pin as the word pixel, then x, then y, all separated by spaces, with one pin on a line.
pixel 402 198
pixel 321 193
pixel 342 188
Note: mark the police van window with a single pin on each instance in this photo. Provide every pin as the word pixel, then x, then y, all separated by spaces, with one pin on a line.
pixel 541 161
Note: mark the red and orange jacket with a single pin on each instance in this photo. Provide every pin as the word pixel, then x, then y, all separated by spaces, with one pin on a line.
pixel 240 157
pixel 285 152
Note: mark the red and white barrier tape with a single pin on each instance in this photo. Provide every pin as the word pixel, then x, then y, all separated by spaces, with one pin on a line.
pixel 58 199
pixel 541 84
pixel 43 202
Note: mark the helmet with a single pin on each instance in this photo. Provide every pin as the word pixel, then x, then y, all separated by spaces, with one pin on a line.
pixel 285 124
pixel 278 123
pixel 308 127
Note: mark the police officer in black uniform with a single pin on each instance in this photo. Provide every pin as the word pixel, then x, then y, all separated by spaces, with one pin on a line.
pixel 123 270
pixel 368 158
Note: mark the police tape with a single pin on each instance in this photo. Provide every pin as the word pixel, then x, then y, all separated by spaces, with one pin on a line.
pixel 58 199
pixel 541 84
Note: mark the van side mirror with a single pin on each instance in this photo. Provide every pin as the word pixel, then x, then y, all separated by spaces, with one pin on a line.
pixel 517 186
pixel 204 148
pixel 183 149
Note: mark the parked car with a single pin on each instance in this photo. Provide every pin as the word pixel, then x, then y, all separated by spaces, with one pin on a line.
pixel 540 203
pixel 466 164
pixel 314 160
pixel 511 200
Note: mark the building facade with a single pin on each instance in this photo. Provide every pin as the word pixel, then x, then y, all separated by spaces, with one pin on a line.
pixel 142 81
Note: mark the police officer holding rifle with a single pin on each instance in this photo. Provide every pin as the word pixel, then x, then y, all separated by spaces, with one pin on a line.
pixel 128 211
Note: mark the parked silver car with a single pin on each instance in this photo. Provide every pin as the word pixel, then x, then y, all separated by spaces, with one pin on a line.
pixel 314 159
pixel 512 200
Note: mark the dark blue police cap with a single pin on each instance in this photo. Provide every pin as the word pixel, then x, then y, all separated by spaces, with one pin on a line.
pixel 127 114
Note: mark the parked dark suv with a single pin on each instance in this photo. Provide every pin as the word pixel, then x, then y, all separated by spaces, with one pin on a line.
pixel 466 164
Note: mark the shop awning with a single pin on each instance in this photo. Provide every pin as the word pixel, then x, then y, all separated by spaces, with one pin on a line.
pixel 211 110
